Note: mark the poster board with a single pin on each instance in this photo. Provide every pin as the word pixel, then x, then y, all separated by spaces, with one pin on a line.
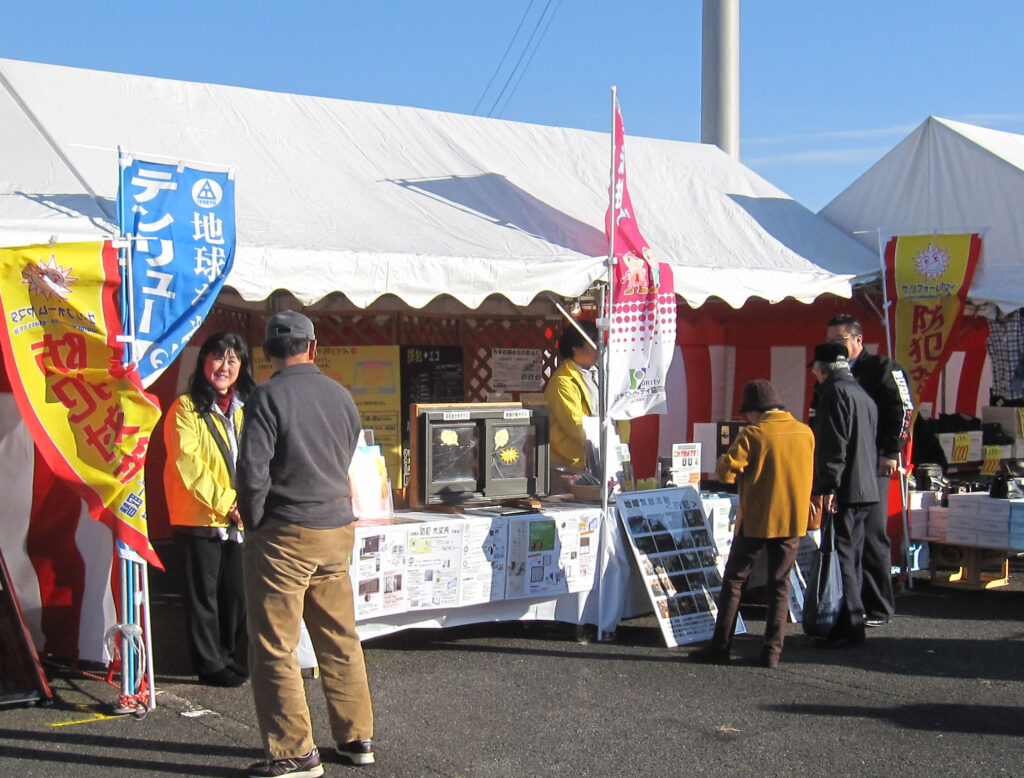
pixel 372 376
pixel 671 539
pixel 434 563
pixel 552 554
pixel 378 569
pixel 484 559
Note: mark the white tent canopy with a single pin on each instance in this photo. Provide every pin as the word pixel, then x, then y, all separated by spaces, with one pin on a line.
pixel 947 177
pixel 370 200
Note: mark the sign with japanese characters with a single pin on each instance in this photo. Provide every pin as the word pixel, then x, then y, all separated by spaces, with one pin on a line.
pixel 87 413
pixel 371 375
pixel 642 331
pixel 675 551
pixel 180 223
pixel 927 278
pixel 517 369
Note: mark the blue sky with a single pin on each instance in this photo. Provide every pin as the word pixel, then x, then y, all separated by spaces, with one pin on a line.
pixel 827 87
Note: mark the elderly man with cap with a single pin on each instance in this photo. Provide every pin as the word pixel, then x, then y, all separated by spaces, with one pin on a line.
pixel 771 461
pixel 293 494
pixel 845 464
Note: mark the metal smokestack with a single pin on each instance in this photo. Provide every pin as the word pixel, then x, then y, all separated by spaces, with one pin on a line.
pixel 720 76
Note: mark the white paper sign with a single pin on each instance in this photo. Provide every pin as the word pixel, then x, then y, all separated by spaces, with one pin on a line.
pixel 517 369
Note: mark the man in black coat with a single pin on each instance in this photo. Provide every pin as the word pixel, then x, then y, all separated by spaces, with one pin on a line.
pixel 844 474
pixel 887 384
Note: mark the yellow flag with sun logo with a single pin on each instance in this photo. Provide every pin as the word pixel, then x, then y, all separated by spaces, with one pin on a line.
pixel 87 412
pixel 927 278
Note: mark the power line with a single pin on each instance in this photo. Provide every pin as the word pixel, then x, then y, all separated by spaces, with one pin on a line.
pixel 503 56
pixel 519 61
pixel 530 59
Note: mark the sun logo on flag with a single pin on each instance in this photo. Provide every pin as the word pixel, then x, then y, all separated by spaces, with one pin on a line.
pixel 932 261
pixel 48 279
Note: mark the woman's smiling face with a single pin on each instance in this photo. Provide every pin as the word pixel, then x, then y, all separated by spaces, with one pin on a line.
pixel 221 370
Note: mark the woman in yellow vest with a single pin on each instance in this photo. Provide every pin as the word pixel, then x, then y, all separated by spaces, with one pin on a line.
pixel 202 430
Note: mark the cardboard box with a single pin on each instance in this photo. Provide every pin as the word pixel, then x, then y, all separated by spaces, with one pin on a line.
pixel 994 508
pixel 1008 419
pixel 917 522
pixel 956 455
pixel 966 504
pixel 962 537
pixel 919 500
pixel 993 539
pixel 938 519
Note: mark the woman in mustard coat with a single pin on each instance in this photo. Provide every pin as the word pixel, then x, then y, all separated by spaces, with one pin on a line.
pixel 201 430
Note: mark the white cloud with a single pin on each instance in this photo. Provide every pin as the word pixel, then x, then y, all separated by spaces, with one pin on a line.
pixel 850 156
pixel 897 131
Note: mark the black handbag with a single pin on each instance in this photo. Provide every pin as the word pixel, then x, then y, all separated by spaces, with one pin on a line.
pixel 823 599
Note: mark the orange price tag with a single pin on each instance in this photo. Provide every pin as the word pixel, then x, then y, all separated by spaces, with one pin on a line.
pixel 993 456
pixel 961 446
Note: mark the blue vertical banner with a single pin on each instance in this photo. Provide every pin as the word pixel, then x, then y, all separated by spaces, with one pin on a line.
pixel 179 223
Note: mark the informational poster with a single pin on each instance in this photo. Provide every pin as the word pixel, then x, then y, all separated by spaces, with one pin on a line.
pixel 686 464
pixel 552 554
pixel 372 376
pixel 517 370
pixel 578 531
pixel 378 569
pixel 672 542
pixel 484 559
pixel 434 563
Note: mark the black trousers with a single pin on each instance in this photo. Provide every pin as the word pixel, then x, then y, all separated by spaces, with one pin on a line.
pixel 849 531
pixel 214 600
pixel 781 553
pixel 876 592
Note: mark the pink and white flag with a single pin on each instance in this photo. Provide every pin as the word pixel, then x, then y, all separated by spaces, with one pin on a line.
pixel 642 330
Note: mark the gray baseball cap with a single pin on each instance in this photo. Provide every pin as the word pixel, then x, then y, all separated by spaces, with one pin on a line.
pixel 290 324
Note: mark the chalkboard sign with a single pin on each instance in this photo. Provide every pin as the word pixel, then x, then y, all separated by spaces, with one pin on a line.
pixel 430 374
pixel 21 674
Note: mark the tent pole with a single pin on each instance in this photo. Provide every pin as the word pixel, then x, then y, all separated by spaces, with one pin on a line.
pixel 30 115
pixel 901 464
pixel 603 357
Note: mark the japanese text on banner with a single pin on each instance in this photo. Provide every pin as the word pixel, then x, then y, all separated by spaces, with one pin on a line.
pixel 642 328
pixel 88 415
pixel 181 225
pixel 927 280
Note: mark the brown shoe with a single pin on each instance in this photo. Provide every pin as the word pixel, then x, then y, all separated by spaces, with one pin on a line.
pixel 710 655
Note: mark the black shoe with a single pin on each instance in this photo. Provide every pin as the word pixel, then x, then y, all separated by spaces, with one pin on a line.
pixel 307 766
pixel 769 661
pixel 224 677
pixel 358 752
pixel 238 669
pixel 710 655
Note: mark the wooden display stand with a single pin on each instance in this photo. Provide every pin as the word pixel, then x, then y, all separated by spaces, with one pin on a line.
pixel 968 567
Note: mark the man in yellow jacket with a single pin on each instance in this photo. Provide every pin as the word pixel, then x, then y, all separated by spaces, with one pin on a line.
pixel 572 393
pixel 772 463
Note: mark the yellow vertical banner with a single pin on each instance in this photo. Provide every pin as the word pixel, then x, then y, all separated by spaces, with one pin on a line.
pixel 927 278
pixel 87 412
pixel 373 377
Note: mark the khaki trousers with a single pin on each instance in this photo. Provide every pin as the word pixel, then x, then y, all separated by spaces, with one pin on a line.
pixel 294 573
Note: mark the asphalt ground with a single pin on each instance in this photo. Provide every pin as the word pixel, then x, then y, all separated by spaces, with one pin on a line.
pixel 937 692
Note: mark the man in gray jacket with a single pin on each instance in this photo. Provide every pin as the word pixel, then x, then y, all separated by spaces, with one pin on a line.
pixel 845 463
pixel 301 429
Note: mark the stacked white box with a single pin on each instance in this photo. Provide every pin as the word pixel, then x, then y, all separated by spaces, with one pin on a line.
pixel 917 522
pixel 1016 524
pixel 975 450
pixel 938 519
